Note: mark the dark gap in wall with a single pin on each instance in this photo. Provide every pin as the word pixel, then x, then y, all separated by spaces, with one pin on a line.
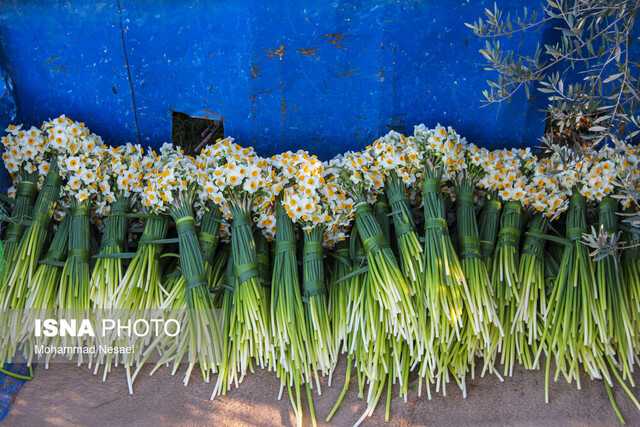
pixel 192 133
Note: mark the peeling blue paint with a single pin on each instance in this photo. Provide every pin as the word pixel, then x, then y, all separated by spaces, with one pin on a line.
pixel 283 75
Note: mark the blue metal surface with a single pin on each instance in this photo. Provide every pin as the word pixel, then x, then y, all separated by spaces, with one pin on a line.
pixel 9 386
pixel 326 76
pixel 7 113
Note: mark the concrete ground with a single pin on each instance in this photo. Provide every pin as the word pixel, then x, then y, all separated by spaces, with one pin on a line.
pixel 66 395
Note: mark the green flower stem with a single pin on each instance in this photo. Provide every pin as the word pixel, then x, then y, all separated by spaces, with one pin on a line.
pixel 203 342
pixel 320 349
pixel 73 294
pixel 506 287
pixel 19 272
pixel 208 233
pixel 489 221
pixel 611 284
pixel 262 256
pixel 483 312
pixel 249 335
pixel 108 271
pixel 532 303
pixel 447 293
pixel 389 289
pixel 290 337
pixel 26 191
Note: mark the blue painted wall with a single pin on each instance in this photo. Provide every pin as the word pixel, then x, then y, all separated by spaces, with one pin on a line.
pixel 326 76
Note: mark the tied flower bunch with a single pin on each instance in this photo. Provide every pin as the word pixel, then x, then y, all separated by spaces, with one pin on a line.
pixel 118 192
pixel 545 200
pixel 286 262
pixel 64 140
pixel 24 159
pixel 387 320
pixel 294 348
pixel 506 174
pixel 323 212
pixel 597 186
pixel 448 297
pixel 400 160
pixel 81 169
pixel 241 177
pixel 171 189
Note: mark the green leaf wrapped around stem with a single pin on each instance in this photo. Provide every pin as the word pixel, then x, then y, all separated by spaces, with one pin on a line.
pixel 449 301
pixel 389 288
pixel 73 293
pixel 26 191
pixel 489 222
pixel 208 232
pixel 575 323
pixel 108 271
pixel 42 298
pixel 611 284
pixel 321 352
pixel 202 342
pixel 483 314
pixel 506 287
pixel 249 337
pixel 22 267
pixel 382 214
pixel 532 303
pixel 290 336
pixel 262 256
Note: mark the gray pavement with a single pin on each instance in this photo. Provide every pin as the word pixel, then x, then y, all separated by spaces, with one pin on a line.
pixel 65 395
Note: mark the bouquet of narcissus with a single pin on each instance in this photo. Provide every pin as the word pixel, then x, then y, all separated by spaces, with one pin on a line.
pixel 80 169
pixel 452 312
pixel 122 168
pixel 74 153
pixel 322 210
pixel 388 307
pixel 546 202
pixel 60 135
pixel 575 327
pixel 290 335
pixel 140 292
pixel 400 161
pixel 360 179
pixel 597 186
pixel 122 181
pixel 170 188
pixel 475 270
pixel 209 212
pixel 25 161
pixel 243 176
pixel 505 176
